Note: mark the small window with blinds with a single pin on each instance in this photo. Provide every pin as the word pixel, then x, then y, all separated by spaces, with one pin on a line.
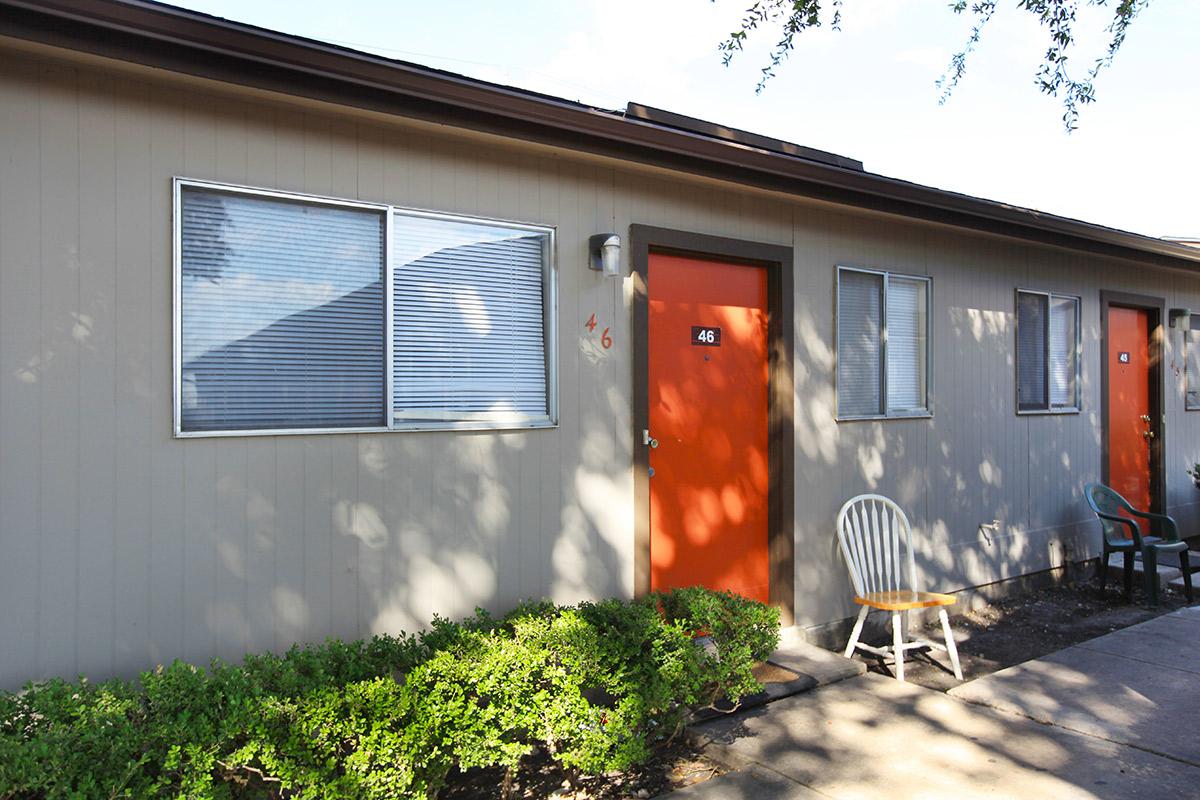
pixel 1048 345
pixel 298 314
pixel 882 344
pixel 1191 344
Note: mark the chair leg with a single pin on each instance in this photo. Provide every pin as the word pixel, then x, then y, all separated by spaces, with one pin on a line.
pixel 1186 569
pixel 951 648
pixel 1103 568
pixel 854 634
pixel 898 643
pixel 1128 576
pixel 1150 565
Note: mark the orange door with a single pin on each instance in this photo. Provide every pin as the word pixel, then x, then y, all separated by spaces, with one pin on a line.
pixel 1129 404
pixel 707 363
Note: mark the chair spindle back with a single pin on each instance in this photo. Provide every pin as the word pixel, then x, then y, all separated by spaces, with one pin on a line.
pixel 876 541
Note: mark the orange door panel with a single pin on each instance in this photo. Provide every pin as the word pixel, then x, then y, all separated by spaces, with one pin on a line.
pixel 1129 404
pixel 707 363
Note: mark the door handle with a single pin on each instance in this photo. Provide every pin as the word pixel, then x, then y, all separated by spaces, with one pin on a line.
pixel 1148 434
pixel 649 440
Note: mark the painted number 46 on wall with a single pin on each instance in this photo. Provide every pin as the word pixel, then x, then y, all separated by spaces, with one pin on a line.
pixel 605 340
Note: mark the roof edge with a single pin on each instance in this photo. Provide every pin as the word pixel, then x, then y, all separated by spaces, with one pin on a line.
pixel 185 41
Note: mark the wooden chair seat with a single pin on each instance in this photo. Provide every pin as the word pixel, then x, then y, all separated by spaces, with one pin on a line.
pixel 904 600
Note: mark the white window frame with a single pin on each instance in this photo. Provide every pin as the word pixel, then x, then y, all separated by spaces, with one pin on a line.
pixel 1074 408
pixel 490 421
pixel 923 413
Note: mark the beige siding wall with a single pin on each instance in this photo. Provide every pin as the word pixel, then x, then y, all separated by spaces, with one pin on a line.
pixel 121 546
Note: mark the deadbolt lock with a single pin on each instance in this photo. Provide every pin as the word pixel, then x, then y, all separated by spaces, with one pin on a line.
pixel 649 440
pixel 1145 417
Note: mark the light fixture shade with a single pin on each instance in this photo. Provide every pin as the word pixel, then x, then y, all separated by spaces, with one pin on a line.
pixel 604 254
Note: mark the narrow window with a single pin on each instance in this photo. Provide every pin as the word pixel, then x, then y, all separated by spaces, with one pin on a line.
pixel 882 344
pixel 906 346
pixel 1191 338
pixel 282 314
pixel 468 329
pixel 1047 352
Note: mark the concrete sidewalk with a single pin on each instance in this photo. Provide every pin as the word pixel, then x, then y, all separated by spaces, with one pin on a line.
pixel 871 736
pixel 1138 686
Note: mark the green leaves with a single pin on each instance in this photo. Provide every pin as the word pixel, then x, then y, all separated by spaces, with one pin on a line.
pixel 792 16
pixel 596 685
pixel 1057 17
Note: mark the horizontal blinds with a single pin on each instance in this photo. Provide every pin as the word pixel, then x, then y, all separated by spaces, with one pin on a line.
pixel 282 314
pixel 1031 351
pixel 906 331
pixel 1062 351
pixel 1192 370
pixel 468 321
pixel 859 332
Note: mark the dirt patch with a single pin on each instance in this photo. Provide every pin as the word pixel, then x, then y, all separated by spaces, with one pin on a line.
pixel 767 673
pixel 1021 628
pixel 671 767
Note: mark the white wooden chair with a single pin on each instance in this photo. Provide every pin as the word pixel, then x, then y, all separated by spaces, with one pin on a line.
pixel 876 541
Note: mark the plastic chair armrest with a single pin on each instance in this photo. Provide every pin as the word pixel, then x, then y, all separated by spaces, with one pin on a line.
pixel 1134 530
pixel 1171 530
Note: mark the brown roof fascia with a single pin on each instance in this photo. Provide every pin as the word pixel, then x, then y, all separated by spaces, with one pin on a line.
pixel 163 36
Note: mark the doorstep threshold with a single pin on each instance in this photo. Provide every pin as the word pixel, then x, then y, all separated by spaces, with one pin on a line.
pixel 813 666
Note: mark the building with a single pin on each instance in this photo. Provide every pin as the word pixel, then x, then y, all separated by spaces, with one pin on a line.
pixel 299 342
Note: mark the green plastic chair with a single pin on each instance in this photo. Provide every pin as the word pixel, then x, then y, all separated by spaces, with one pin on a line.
pixel 1122 535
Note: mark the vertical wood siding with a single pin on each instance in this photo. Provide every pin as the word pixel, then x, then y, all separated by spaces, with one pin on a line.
pixel 121 547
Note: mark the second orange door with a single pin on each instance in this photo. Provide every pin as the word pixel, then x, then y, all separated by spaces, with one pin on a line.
pixel 1130 426
pixel 707 382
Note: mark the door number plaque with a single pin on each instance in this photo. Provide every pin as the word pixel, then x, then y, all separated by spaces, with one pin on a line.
pixel 1122 357
pixel 705 336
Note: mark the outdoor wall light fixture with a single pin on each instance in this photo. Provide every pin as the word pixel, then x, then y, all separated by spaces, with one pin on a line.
pixel 1180 318
pixel 604 254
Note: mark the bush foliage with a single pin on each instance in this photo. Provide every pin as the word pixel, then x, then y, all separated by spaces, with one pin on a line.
pixel 595 685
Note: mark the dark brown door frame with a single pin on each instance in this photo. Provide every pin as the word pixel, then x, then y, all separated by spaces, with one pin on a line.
pixel 781 541
pixel 1156 306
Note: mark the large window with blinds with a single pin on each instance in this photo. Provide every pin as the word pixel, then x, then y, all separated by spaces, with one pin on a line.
pixel 1048 345
pixel 882 344
pixel 298 314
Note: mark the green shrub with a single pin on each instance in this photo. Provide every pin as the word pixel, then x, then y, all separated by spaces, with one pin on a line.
pixel 72 740
pixel 595 685
pixel 743 632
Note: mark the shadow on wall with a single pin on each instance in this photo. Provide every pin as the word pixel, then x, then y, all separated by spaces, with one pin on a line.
pixel 974 461
pixel 396 529
pixel 202 547
pixel 432 524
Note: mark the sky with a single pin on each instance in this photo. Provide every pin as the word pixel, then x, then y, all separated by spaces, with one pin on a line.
pixel 867 91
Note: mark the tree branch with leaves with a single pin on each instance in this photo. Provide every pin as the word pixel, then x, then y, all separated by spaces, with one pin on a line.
pixel 1053 77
